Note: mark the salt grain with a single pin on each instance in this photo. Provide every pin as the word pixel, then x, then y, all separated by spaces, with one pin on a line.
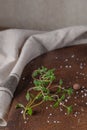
pixel 75 104
pixel 77 92
pixel 66 100
pixel 61 66
pixel 46 107
pixel 76 77
pixel 86 103
pixel 25 122
pixel 82 96
pixel 81 67
pixel 68 97
pixel 82 91
pixel 56 57
pixel 70 66
pixel 77 59
pixel 77 72
pixel 82 109
pixel 75 115
pixel 65 113
pixel 66 59
pixel 58 121
pixel 22 112
pixel 54 121
pixel 51 106
pixel 23 78
pixel 73 56
pixel 61 109
pixel 83 86
pixel 50 114
pixel 48 121
pixel 75 97
pixel 66 66
pixel 85 94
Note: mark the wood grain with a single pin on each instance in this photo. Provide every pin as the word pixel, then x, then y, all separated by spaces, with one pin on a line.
pixel 71 72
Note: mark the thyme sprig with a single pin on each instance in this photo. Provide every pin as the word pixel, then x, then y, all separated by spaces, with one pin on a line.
pixel 42 80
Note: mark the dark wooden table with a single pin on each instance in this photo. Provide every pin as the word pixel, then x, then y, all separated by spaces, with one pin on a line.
pixel 71 66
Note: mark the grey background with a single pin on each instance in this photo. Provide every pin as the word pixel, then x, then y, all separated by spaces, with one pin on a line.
pixel 42 14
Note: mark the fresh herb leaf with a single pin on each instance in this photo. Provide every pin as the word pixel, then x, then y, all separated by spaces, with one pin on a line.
pixel 60 82
pixel 69 109
pixel 47 98
pixel 27 96
pixel 29 111
pixel 19 105
pixel 70 91
pixel 56 104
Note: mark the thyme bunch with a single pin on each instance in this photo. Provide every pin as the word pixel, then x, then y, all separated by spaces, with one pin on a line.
pixel 42 80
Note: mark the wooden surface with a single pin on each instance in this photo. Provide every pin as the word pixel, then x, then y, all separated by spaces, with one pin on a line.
pixel 72 71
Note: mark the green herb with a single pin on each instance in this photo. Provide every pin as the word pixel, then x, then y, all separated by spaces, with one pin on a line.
pixel 43 79
pixel 27 96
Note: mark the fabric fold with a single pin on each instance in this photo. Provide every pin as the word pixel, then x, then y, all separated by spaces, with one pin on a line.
pixel 18 47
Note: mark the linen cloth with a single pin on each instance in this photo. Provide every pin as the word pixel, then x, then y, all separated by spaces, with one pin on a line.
pixel 18 47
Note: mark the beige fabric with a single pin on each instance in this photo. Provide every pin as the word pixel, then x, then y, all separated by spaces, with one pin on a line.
pixel 42 14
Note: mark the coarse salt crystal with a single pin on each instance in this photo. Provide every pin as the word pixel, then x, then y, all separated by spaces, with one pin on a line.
pixel 65 113
pixel 75 104
pixel 46 107
pixel 50 114
pixel 54 121
pixel 76 77
pixel 70 66
pixel 75 97
pixel 25 122
pixel 66 59
pixel 77 72
pixel 48 121
pixel 66 66
pixel 82 96
pixel 61 66
pixel 23 78
pixel 22 112
pixel 85 94
pixel 82 91
pixel 50 105
pixel 73 56
pixel 58 121
pixel 68 97
pixel 77 92
pixel 61 109
pixel 81 67
pixel 77 58
pixel 83 86
pixel 82 109
pixel 66 100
